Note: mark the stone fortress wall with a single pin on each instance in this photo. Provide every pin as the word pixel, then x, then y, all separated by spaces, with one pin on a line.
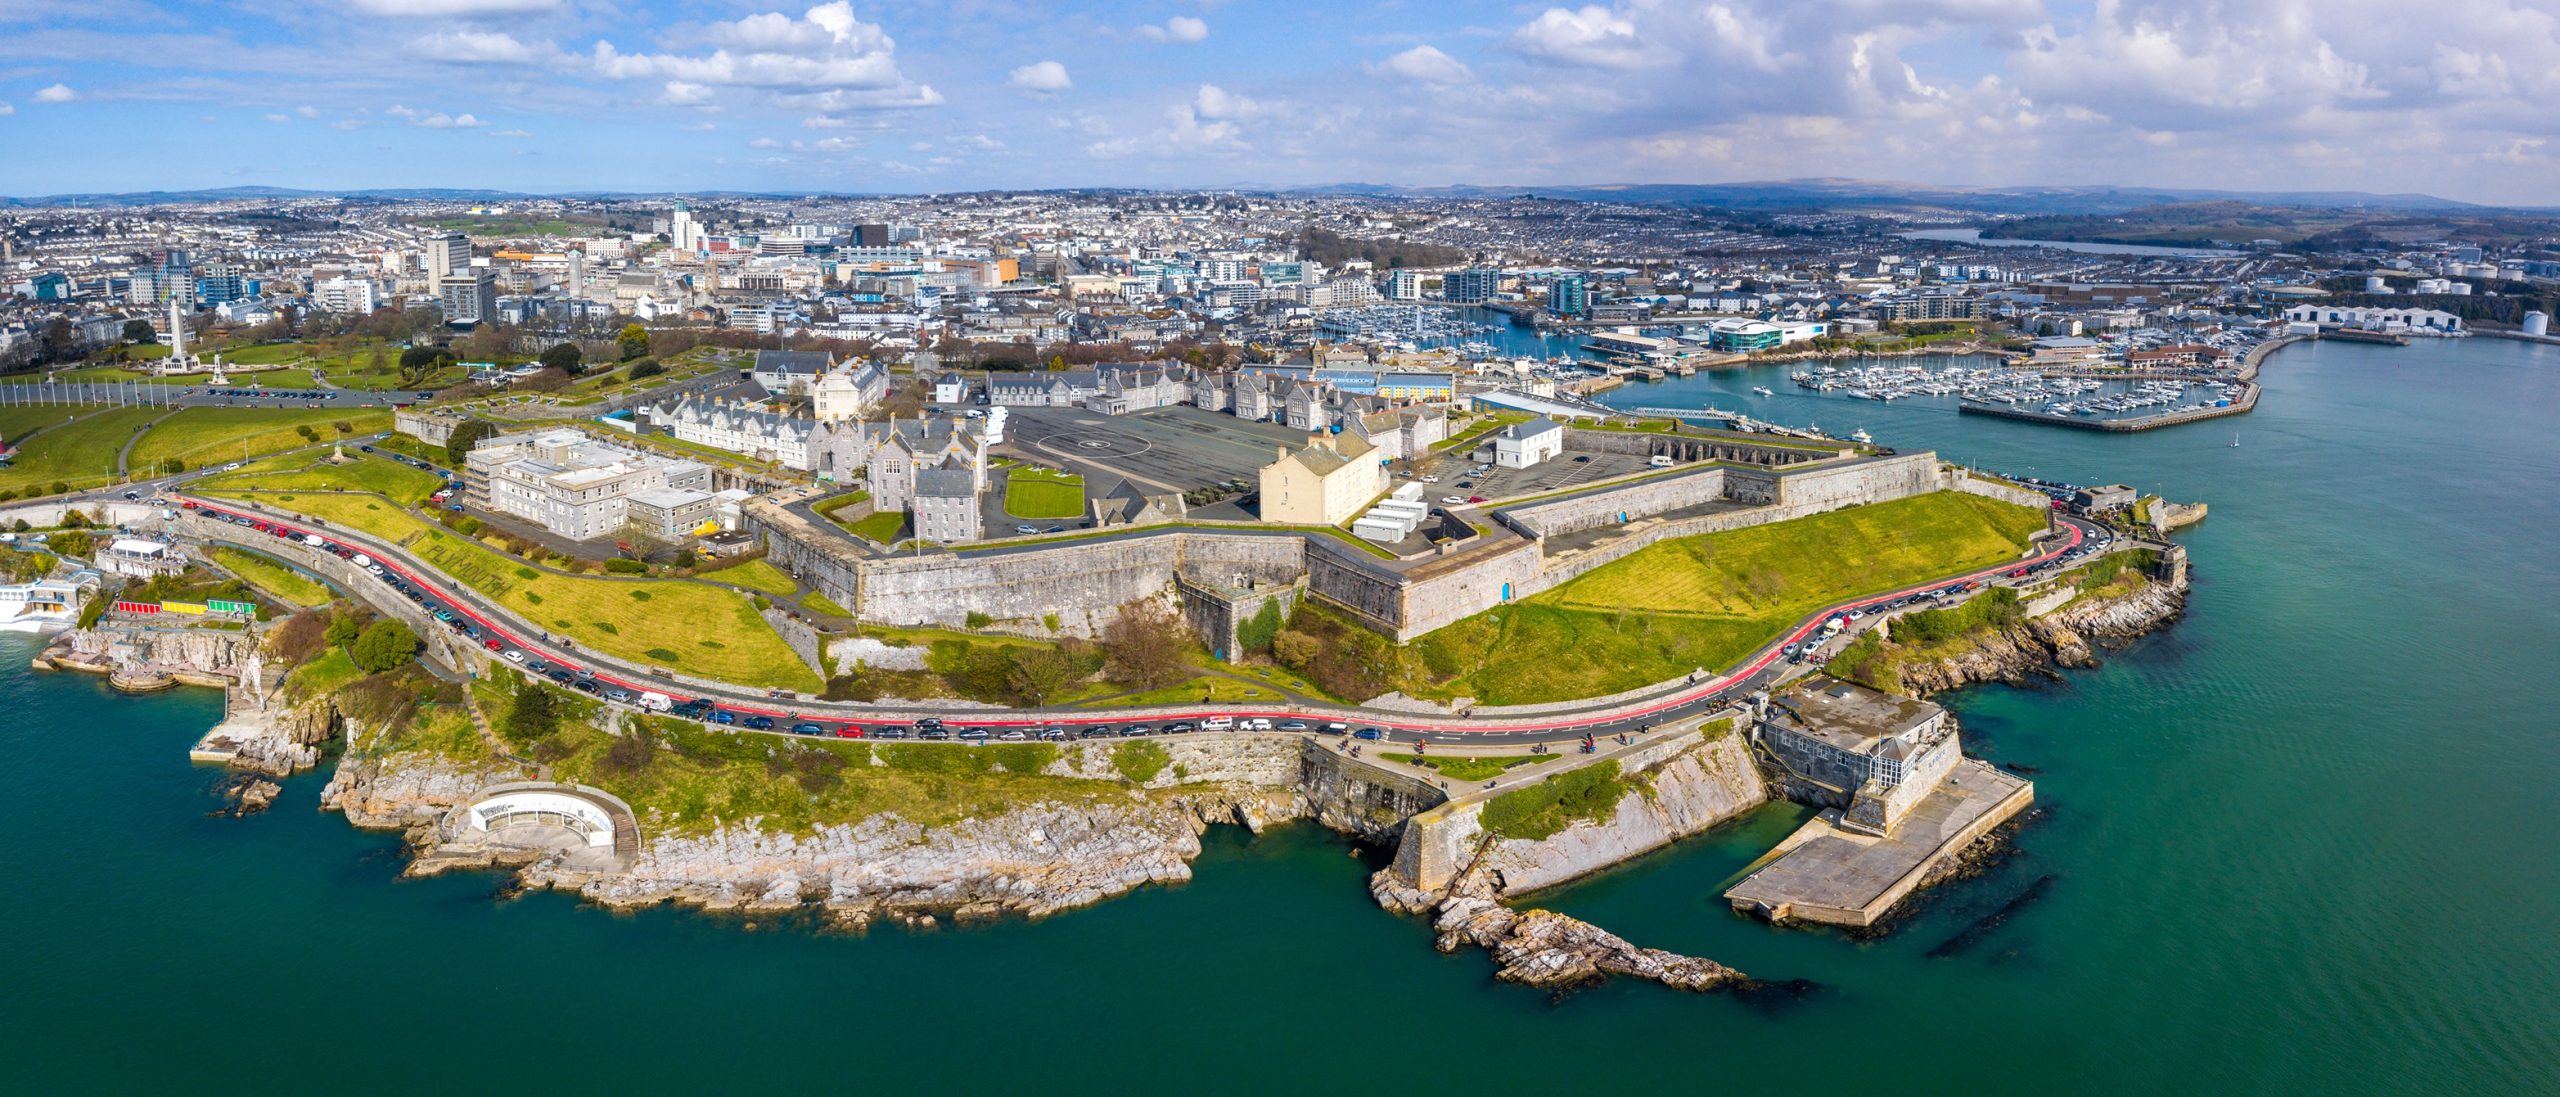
pixel 1082 582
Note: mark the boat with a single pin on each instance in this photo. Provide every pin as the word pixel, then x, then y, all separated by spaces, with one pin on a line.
pixel 1762 390
pixel 1861 436
pixel 2235 441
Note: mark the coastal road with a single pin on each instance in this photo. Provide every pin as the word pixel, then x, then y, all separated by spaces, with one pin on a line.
pixel 1704 694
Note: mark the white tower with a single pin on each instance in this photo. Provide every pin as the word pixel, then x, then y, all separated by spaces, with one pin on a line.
pixel 177 359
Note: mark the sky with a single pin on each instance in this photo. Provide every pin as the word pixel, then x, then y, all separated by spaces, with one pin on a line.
pixel 2447 97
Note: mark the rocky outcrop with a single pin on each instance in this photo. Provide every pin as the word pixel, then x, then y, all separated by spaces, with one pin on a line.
pixel 410 792
pixel 1035 860
pixel 1542 948
pixel 2071 636
pixel 246 795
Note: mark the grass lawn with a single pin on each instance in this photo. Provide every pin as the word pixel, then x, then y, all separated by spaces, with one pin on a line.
pixel 273 578
pixel 324 674
pixel 212 436
pixel 1202 689
pixel 81 373
pixel 819 603
pixel 1471 769
pixel 882 526
pixel 82 454
pixel 1704 602
pixel 1029 494
pixel 757 574
pixel 17 422
pixel 313 472
pixel 698 778
pixel 268 354
pixel 674 623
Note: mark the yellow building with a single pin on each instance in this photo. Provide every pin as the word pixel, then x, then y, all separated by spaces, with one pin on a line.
pixel 1323 484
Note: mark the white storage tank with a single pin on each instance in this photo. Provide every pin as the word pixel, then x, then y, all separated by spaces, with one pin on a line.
pixel 2537 323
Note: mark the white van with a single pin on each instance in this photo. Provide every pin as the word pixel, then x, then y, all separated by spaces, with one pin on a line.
pixel 1217 723
pixel 1663 462
pixel 656 702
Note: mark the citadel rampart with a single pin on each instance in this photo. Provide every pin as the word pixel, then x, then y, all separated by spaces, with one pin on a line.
pixel 1083 582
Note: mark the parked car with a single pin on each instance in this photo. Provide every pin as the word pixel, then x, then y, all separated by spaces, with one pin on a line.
pixel 805 728
pixel 759 723
pixel 1293 725
pixel 1372 734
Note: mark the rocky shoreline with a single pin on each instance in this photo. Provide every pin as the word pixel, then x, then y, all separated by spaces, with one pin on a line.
pixel 2072 636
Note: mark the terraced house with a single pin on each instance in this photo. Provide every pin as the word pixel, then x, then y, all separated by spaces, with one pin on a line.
pixel 739 428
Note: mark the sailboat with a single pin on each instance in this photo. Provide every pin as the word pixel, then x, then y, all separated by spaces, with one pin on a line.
pixel 2235 441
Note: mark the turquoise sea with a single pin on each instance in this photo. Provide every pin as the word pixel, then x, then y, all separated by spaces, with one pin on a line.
pixel 2301 843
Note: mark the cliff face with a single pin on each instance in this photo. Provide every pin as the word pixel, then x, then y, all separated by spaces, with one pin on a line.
pixel 1035 860
pixel 2070 637
pixel 205 650
pixel 1697 789
pixel 404 791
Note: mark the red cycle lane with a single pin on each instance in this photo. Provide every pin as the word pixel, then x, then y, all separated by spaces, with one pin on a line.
pixel 1579 721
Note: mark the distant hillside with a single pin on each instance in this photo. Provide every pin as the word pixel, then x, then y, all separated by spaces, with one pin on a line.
pixel 1854 194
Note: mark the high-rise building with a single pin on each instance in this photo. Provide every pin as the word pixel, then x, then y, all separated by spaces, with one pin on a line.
pixel 1473 285
pixel 352 295
pixel 1404 285
pixel 217 283
pixel 871 236
pixel 469 295
pixel 577 286
pixel 1568 296
pixel 683 230
pixel 446 254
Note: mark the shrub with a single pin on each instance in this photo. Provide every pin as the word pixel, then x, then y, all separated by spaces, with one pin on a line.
pixel 534 716
pixel 1022 758
pixel 1543 809
pixel 384 645
pixel 979 620
pixel 646 367
pixel 631 752
pixel 1140 760
pixel 621 566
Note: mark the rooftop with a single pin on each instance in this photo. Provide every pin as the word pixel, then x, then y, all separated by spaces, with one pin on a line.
pixel 1850 716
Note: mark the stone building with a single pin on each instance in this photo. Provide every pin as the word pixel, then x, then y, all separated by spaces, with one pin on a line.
pixel 1323 483
pixel 889 455
pixel 1879 754
pixel 945 507
pixel 739 428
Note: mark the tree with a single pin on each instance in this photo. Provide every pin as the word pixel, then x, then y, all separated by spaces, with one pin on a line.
pixel 633 340
pixel 417 364
pixel 1144 645
pixel 565 357
pixel 171 466
pixel 465 436
pixel 535 714
pixel 646 367
pixel 1255 635
pixel 342 631
pixel 384 645
pixel 140 331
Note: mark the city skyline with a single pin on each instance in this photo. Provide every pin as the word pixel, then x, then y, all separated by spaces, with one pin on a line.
pixel 562 95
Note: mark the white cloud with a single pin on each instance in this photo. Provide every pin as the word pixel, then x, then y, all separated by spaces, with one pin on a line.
pixel 1428 65
pixel 7 109
pixel 764 143
pixel 826 49
pixel 1214 102
pixel 679 93
pixel 59 93
pixel 506 133
pixel 981 142
pixel 480 47
pixel 1591 35
pixel 452 8
pixel 836 144
pixel 1041 78
pixel 307 111
pixel 435 120
pixel 279 118
pixel 1180 28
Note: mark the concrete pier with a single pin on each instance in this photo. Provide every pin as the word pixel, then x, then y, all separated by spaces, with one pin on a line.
pixel 1835 876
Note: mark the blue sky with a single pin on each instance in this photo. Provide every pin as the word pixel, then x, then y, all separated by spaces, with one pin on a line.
pixel 928 95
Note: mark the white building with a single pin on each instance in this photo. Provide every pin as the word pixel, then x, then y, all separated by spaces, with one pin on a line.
pixel 355 295
pixel 2375 318
pixel 739 428
pixel 570 484
pixel 1521 445
pixel 848 390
